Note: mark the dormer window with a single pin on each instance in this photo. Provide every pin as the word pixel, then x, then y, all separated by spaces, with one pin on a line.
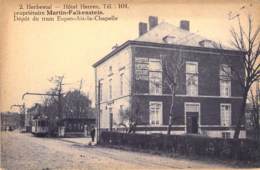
pixel 206 43
pixel 169 39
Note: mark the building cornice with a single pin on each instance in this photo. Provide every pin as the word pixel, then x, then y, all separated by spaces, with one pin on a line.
pixel 167 46
pixel 183 95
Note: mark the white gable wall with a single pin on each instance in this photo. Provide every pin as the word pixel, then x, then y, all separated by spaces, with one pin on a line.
pixel 120 63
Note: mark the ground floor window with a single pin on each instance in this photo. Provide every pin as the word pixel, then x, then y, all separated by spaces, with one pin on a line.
pixel 226 135
pixel 225 114
pixel 155 113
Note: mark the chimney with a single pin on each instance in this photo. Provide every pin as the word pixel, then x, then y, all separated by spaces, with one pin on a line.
pixel 153 21
pixel 142 28
pixel 185 25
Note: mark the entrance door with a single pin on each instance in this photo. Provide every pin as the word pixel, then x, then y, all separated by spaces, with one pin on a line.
pixel 110 119
pixel 192 112
pixel 192 122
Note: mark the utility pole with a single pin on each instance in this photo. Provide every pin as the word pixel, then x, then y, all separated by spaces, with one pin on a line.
pixel 43 94
pixel 78 101
pixel 80 84
pixel 98 110
pixel 59 81
pixel 59 102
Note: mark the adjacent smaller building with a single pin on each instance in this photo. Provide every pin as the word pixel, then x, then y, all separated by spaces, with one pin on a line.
pixel 10 121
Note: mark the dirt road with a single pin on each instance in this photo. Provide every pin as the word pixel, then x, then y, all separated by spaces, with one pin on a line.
pixel 25 152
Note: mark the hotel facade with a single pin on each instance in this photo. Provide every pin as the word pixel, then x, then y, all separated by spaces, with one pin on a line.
pixel 131 79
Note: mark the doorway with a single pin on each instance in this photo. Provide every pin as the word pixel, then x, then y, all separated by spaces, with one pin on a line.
pixel 192 120
pixel 110 119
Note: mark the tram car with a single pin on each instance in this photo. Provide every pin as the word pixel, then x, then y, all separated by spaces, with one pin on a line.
pixel 40 127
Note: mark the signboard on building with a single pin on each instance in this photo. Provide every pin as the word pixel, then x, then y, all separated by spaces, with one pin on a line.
pixel 141 60
pixel 141 68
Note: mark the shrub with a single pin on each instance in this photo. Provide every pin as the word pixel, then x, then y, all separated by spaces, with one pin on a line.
pixel 239 149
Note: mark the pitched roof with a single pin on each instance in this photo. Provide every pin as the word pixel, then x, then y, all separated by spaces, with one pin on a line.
pixel 177 36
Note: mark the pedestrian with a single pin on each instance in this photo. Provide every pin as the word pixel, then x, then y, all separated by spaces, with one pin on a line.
pixel 92 133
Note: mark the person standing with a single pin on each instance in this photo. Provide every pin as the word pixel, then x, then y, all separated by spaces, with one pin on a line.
pixel 92 133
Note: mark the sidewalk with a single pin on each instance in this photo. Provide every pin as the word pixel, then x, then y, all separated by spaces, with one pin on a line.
pixel 81 141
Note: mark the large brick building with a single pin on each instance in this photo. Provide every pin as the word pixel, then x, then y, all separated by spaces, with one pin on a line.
pixel 131 78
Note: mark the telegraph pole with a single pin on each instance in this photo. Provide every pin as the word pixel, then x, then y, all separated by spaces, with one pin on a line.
pixel 44 94
pixel 80 84
pixel 78 101
pixel 98 110
pixel 59 102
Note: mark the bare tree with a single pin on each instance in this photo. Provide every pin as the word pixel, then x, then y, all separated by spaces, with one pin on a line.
pixel 58 81
pixel 254 111
pixel 129 119
pixel 246 41
pixel 172 68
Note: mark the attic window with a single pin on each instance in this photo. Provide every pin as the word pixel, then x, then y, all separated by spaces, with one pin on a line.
pixel 110 69
pixel 206 43
pixel 169 39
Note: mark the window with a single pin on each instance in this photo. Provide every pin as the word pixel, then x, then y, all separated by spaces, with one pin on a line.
pixel 121 108
pixel 110 69
pixel 110 89
pixel 225 70
pixel 225 88
pixel 225 114
pixel 226 135
pixel 100 91
pixel 155 113
pixel 192 78
pixel 192 107
pixel 155 83
pixel 155 76
pixel 121 84
pixel 225 82
pixel 155 65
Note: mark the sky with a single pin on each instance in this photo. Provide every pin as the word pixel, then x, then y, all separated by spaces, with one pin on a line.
pixel 33 52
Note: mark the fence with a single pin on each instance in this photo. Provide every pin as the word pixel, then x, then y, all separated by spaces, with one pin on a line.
pixel 240 149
